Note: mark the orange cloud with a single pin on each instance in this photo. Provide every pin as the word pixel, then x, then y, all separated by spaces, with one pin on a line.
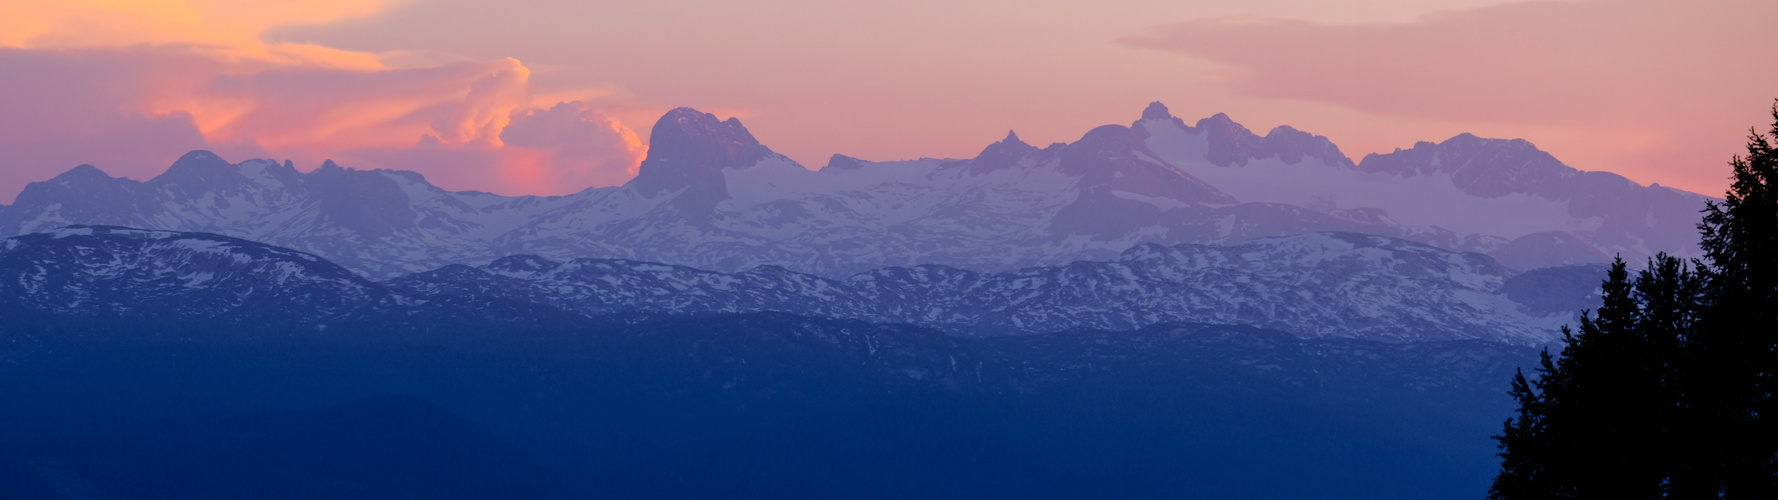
pixel 132 110
pixel 580 144
pixel 1640 85
pixel 344 109
pixel 559 150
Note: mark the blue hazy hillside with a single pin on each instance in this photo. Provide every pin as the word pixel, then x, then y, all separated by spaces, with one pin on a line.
pixel 749 406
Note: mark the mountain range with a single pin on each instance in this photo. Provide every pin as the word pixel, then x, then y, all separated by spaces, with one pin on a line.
pixel 1152 309
pixel 1317 285
pixel 711 196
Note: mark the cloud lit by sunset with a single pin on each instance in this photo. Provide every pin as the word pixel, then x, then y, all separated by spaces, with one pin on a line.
pixel 130 85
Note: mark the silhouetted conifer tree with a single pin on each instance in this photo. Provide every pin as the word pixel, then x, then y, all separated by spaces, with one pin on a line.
pixel 1733 361
pixel 1586 430
pixel 1669 294
pixel 1525 452
pixel 1670 388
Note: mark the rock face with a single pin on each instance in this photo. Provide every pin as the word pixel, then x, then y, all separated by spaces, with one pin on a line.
pixel 1322 285
pixel 709 195
pixel 688 151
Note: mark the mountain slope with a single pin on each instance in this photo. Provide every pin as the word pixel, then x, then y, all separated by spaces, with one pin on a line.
pixel 1316 285
pixel 1322 285
pixel 112 272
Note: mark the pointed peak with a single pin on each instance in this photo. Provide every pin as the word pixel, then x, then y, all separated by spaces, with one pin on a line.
pixel 82 186
pixel 1006 153
pixel 199 171
pixel 200 160
pixel 198 155
pixel 1156 111
pixel 1217 119
pixel 329 165
pixel 84 172
pixel 1101 143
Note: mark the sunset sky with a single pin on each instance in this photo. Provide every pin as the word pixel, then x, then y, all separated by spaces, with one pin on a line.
pixel 554 96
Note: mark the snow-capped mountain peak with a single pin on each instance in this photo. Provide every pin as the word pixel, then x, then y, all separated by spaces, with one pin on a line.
pixel 709 194
pixel 1494 194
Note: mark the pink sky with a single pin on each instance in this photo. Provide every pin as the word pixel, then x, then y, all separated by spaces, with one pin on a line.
pixel 553 96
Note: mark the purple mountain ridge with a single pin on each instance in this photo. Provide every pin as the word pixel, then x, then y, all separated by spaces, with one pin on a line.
pixel 1232 144
pixel 710 195
pixel 1008 153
